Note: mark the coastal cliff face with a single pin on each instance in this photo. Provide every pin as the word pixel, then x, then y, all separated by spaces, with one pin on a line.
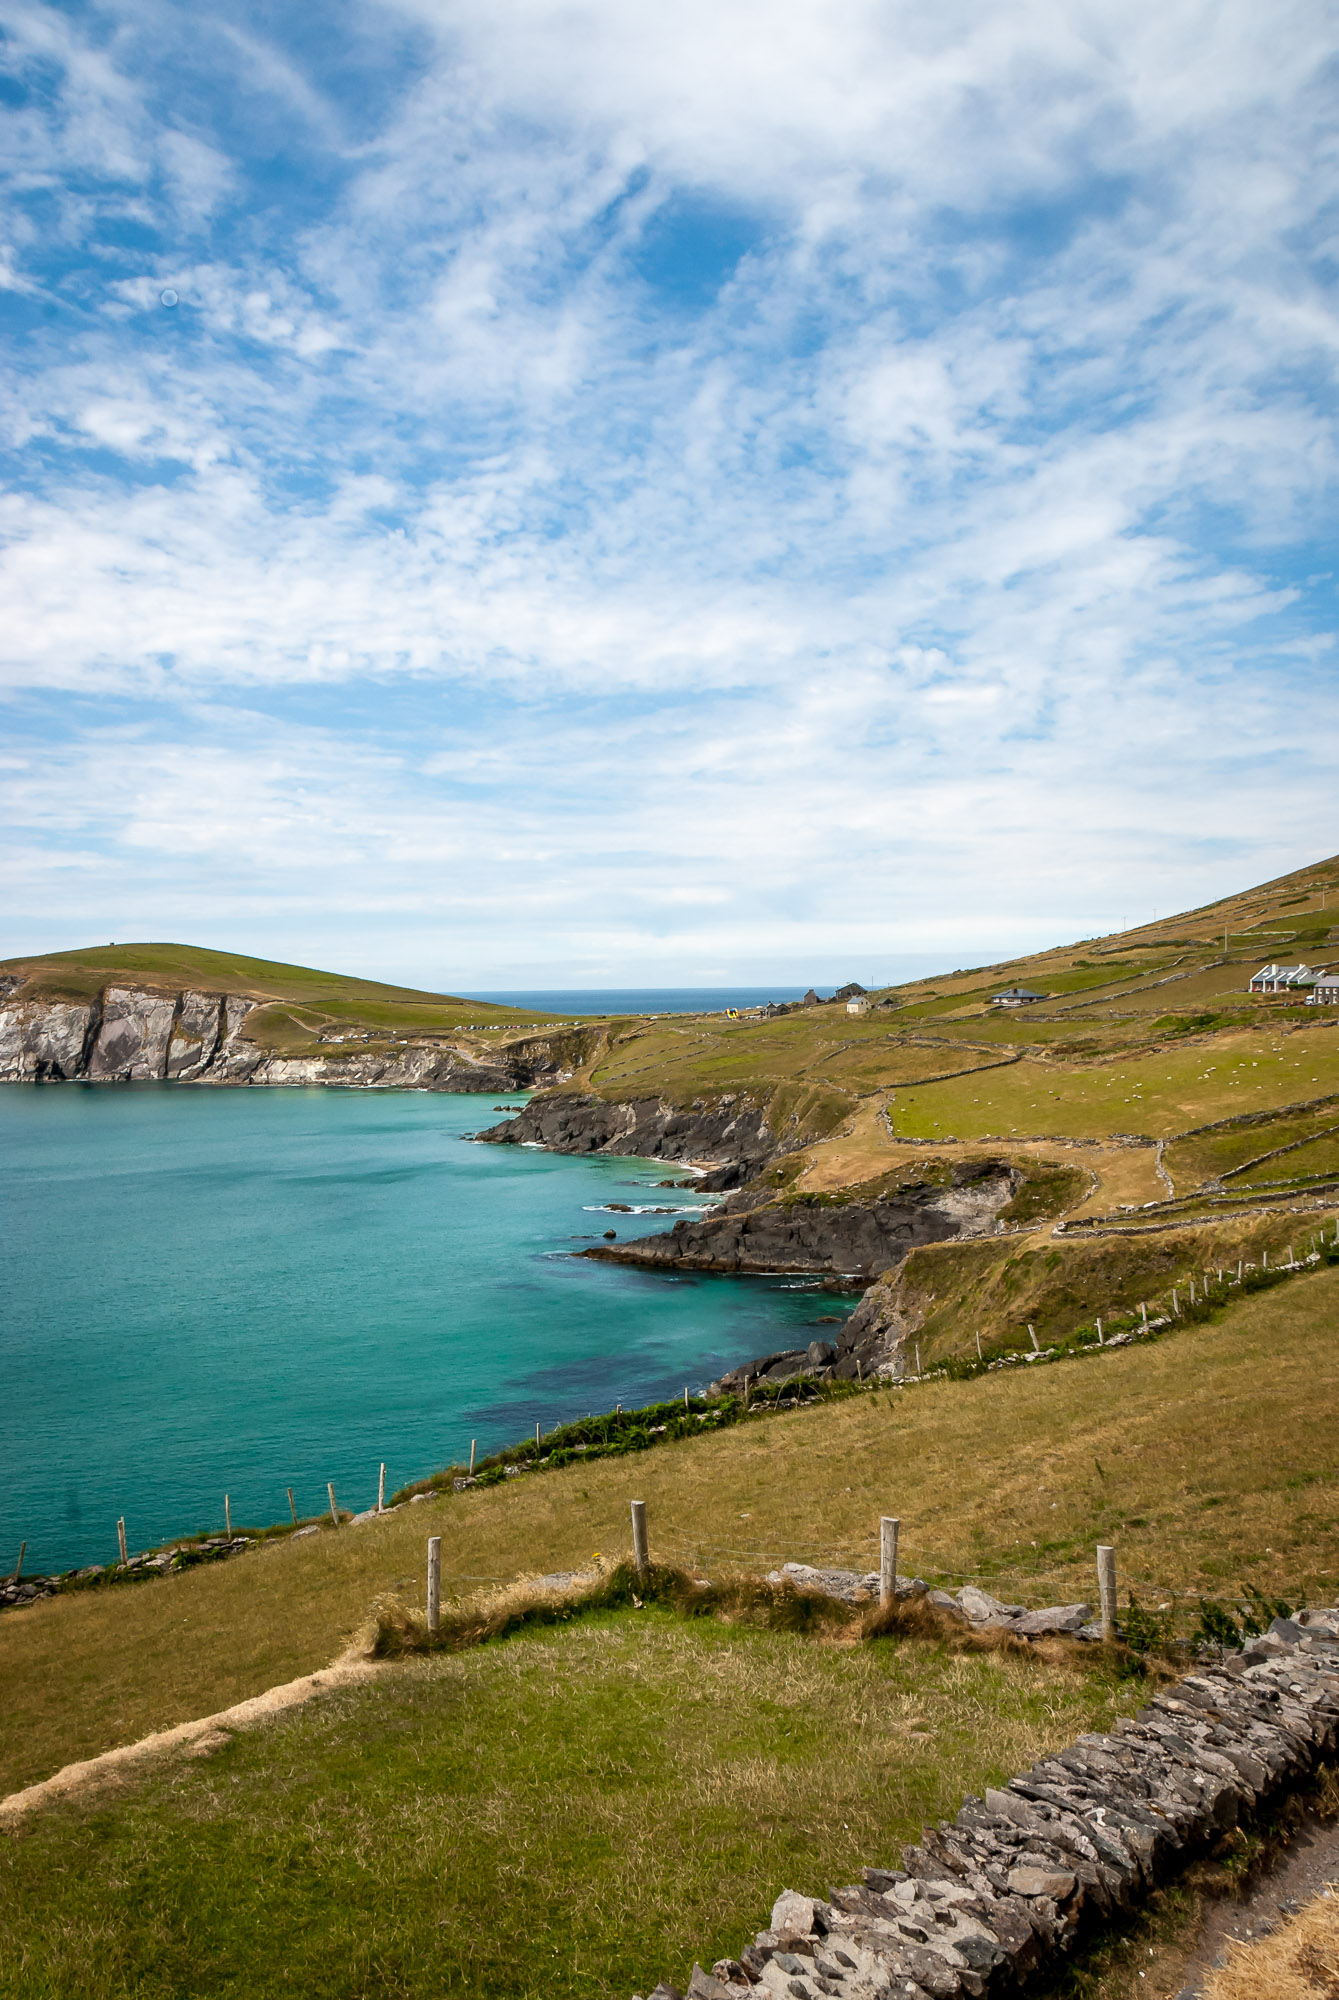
pixel 729 1132
pixel 135 1035
pixel 843 1238
pixel 850 1240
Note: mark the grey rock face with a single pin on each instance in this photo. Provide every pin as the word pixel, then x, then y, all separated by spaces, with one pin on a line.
pixel 46 1039
pixel 730 1131
pixel 844 1237
pixel 133 1035
pixel 197 1034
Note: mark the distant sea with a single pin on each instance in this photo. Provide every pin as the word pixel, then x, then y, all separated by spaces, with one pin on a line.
pixel 712 999
pixel 236 1291
pixel 647 999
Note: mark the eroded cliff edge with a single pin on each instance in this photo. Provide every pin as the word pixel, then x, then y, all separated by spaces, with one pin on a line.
pixel 132 1034
pixel 728 1135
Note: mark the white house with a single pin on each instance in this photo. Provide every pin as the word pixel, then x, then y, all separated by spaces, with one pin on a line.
pixel 1325 992
pixel 1017 996
pixel 860 1006
pixel 1282 978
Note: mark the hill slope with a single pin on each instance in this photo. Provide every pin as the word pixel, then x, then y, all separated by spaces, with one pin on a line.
pixel 1149 1091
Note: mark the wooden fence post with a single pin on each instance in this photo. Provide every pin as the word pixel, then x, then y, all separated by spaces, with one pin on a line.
pixel 121 1538
pixel 1032 1332
pixel 381 1488
pixel 1100 1341
pixel 434 1583
pixel 334 1510
pixel 473 1442
pixel 918 1361
pixel 536 1437
pixel 292 1507
pixel 979 1355
pixel 640 1559
pixel 888 1533
pixel 227 1515
pixel 1106 1589
pixel 18 1567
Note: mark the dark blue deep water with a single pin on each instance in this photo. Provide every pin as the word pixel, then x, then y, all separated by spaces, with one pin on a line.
pixel 210 1290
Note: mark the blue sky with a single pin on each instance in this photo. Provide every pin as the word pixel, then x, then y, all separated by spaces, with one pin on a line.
pixel 525 493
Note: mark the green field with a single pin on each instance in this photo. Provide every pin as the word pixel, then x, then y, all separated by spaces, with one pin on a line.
pixel 1159 1093
pixel 568 1813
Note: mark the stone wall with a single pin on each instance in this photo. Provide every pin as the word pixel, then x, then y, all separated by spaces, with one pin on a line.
pixel 991 1903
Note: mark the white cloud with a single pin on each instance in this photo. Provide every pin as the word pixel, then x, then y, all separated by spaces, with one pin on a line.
pixel 972 502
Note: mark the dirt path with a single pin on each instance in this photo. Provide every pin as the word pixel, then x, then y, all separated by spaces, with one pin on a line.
pixel 195 1738
pixel 1297 1873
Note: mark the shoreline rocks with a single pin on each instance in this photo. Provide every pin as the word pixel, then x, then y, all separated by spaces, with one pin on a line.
pixel 731 1132
pixel 847 1238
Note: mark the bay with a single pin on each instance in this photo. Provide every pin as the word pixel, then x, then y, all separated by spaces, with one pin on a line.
pixel 206 1291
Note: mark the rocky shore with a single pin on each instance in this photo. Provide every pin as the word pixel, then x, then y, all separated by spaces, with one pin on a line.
pixel 828 1235
pixel 128 1034
pixel 728 1135
pixel 848 1243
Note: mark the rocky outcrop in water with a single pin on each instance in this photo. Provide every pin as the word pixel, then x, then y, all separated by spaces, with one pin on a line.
pixel 830 1235
pixel 730 1132
pixel 127 1034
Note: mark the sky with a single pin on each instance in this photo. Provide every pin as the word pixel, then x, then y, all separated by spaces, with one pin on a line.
pixel 513 493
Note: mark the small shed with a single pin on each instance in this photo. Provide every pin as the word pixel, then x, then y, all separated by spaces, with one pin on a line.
pixel 860 1006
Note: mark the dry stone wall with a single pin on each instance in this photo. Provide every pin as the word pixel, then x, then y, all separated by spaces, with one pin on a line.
pixel 990 1903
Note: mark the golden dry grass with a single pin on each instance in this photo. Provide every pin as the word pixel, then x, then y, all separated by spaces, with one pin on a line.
pixel 1299 1961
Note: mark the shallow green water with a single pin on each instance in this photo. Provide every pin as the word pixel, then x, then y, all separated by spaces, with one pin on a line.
pixel 244 1290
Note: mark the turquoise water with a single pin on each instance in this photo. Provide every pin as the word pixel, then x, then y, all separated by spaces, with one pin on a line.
pixel 209 1291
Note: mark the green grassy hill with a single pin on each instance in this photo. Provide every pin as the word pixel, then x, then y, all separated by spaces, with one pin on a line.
pixel 1120 999
pixel 1149 1081
pixel 297 1000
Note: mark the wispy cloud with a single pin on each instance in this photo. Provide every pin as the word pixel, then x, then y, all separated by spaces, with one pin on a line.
pixel 720 485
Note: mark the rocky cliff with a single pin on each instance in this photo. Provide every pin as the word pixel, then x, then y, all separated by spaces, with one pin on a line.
pixel 130 1034
pixel 730 1133
pixel 845 1238
pixel 849 1240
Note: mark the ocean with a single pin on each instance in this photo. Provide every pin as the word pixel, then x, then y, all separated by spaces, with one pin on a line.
pixel 647 999
pixel 210 1291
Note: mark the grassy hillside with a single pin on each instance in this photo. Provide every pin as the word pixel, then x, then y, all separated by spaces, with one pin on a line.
pixel 1149 1074
pixel 1121 999
pixel 298 1001
pixel 582 1809
pixel 571 1813
pixel 1209 1458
